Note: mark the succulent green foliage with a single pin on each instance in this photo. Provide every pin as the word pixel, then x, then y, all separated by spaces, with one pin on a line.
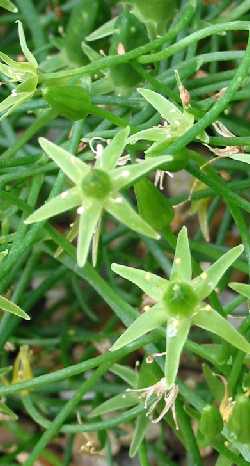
pixel 179 304
pixel 96 189
pixel 26 74
pixel 8 6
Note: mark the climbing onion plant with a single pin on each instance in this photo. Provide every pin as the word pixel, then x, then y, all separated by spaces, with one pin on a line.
pixel 131 74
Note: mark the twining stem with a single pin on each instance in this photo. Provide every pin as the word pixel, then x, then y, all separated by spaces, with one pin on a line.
pixel 194 37
pixel 112 60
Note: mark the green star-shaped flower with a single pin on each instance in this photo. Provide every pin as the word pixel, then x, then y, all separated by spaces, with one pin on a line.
pixel 180 304
pixel 176 121
pixel 24 73
pixel 96 189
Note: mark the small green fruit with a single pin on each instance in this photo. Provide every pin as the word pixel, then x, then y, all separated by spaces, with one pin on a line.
pixel 71 101
pixel 180 299
pixel 211 423
pixel 96 184
pixel 239 421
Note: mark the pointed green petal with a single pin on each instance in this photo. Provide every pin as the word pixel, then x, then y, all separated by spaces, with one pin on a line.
pixel 121 401
pixel 87 225
pixel 11 102
pixel 210 320
pixel 8 6
pixel 123 176
pixel 141 425
pixel 167 109
pixel 146 322
pixel 61 203
pixel 27 53
pixel 182 267
pixel 205 283
pixel 126 373
pixel 73 167
pixel 151 284
pixel 113 151
pixel 241 288
pixel 123 212
pixel 154 134
pixel 176 336
pixel 12 308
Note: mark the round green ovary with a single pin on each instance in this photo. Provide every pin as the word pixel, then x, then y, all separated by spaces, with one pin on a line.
pixel 180 299
pixel 96 184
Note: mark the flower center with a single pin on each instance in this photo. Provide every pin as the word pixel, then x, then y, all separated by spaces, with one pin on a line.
pixel 180 299
pixel 96 184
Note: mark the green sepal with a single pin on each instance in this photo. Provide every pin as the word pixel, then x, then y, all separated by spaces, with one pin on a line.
pixel 179 121
pixel 241 288
pixel 113 151
pixel 146 322
pixel 153 206
pixel 70 101
pixel 207 281
pixel 55 206
pixel 12 308
pixel 208 319
pixel 120 208
pixel 126 373
pixel 127 175
pixel 176 336
pixel 87 225
pixel 116 403
pixel 8 6
pixel 182 266
pixel 153 285
pixel 72 166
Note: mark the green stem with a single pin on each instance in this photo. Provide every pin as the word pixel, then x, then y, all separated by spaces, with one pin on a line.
pixel 194 37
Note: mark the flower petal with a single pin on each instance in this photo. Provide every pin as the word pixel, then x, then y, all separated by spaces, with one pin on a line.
pixel 182 266
pixel 146 322
pixel 12 308
pixel 55 206
pixel 124 176
pixel 167 109
pixel 123 212
pixel 87 225
pixel 27 53
pixel 176 336
pixel 206 282
pixel 208 319
pixel 153 285
pixel 73 167
pixel 113 151
pixel 241 288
